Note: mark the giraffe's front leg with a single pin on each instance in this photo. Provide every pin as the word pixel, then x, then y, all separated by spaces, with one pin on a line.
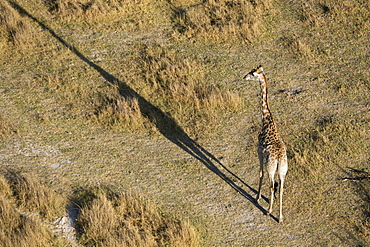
pixel 281 192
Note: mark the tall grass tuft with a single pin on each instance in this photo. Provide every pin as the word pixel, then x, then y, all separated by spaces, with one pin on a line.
pixel 25 228
pixel 178 86
pixel 15 30
pixel 130 14
pixel 223 20
pixel 349 17
pixel 106 218
pixel 175 84
pixel 122 219
pixel 116 110
pixel 332 141
pixel 34 197
pixel 72 9
pixel 18 230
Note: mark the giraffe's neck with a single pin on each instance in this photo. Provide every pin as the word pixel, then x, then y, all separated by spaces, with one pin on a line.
pixel 266 114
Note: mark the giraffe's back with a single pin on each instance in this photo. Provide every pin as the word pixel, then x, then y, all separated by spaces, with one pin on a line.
pixel 272 151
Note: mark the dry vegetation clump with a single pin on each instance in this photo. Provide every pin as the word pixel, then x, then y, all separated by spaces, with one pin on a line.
pixel 332 141
pixel 117 110
pixel 5 189
pixel 178 86
pixel 25 228
pixel 74 9
pixel 361 179
pixel 328 152
pixel 325 22
pixel 34 197
pixel 348 16
pixel 299 48
pixel 15 30
pixel 18 230
pixel 122 219
pixel 98 101
pixel 223 20
pixel 131 14
pixel 106 218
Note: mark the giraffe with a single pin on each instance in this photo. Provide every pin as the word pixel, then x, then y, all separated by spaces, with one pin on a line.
pixel 271 148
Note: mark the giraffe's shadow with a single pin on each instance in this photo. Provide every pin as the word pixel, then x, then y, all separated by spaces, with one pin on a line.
pixel 166 125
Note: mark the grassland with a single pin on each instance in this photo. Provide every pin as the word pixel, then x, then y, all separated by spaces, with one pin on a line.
pixel 145 97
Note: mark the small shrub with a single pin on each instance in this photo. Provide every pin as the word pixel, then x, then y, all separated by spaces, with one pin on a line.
pixel 113 109
pixel 299 48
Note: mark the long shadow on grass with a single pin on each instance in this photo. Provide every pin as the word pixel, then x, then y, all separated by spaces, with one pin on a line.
pixel 166 125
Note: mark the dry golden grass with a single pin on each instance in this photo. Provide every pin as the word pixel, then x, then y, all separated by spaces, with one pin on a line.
pixel 34 197
pixel 85 9
pixel 322 158
pixel 106 218
pixel 221 21
pixel 175 84
pixel 18 230
pixel 15 30
pixel 332 137
pixel 343 16
pixel 178 86
pixel 322 33
pixel 115 110
pixel 130 15
pixel 5 187
pixel 122 219
pixel 22 201
pixel 299 48
pixel 102 103
pixel 7 128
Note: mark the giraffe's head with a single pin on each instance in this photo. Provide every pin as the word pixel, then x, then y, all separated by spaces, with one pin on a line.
pixel 255 74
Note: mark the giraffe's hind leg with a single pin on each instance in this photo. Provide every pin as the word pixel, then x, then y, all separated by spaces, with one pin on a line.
pixel 283 168
pixel 281 202
pixel 271 169
pixel 272 194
